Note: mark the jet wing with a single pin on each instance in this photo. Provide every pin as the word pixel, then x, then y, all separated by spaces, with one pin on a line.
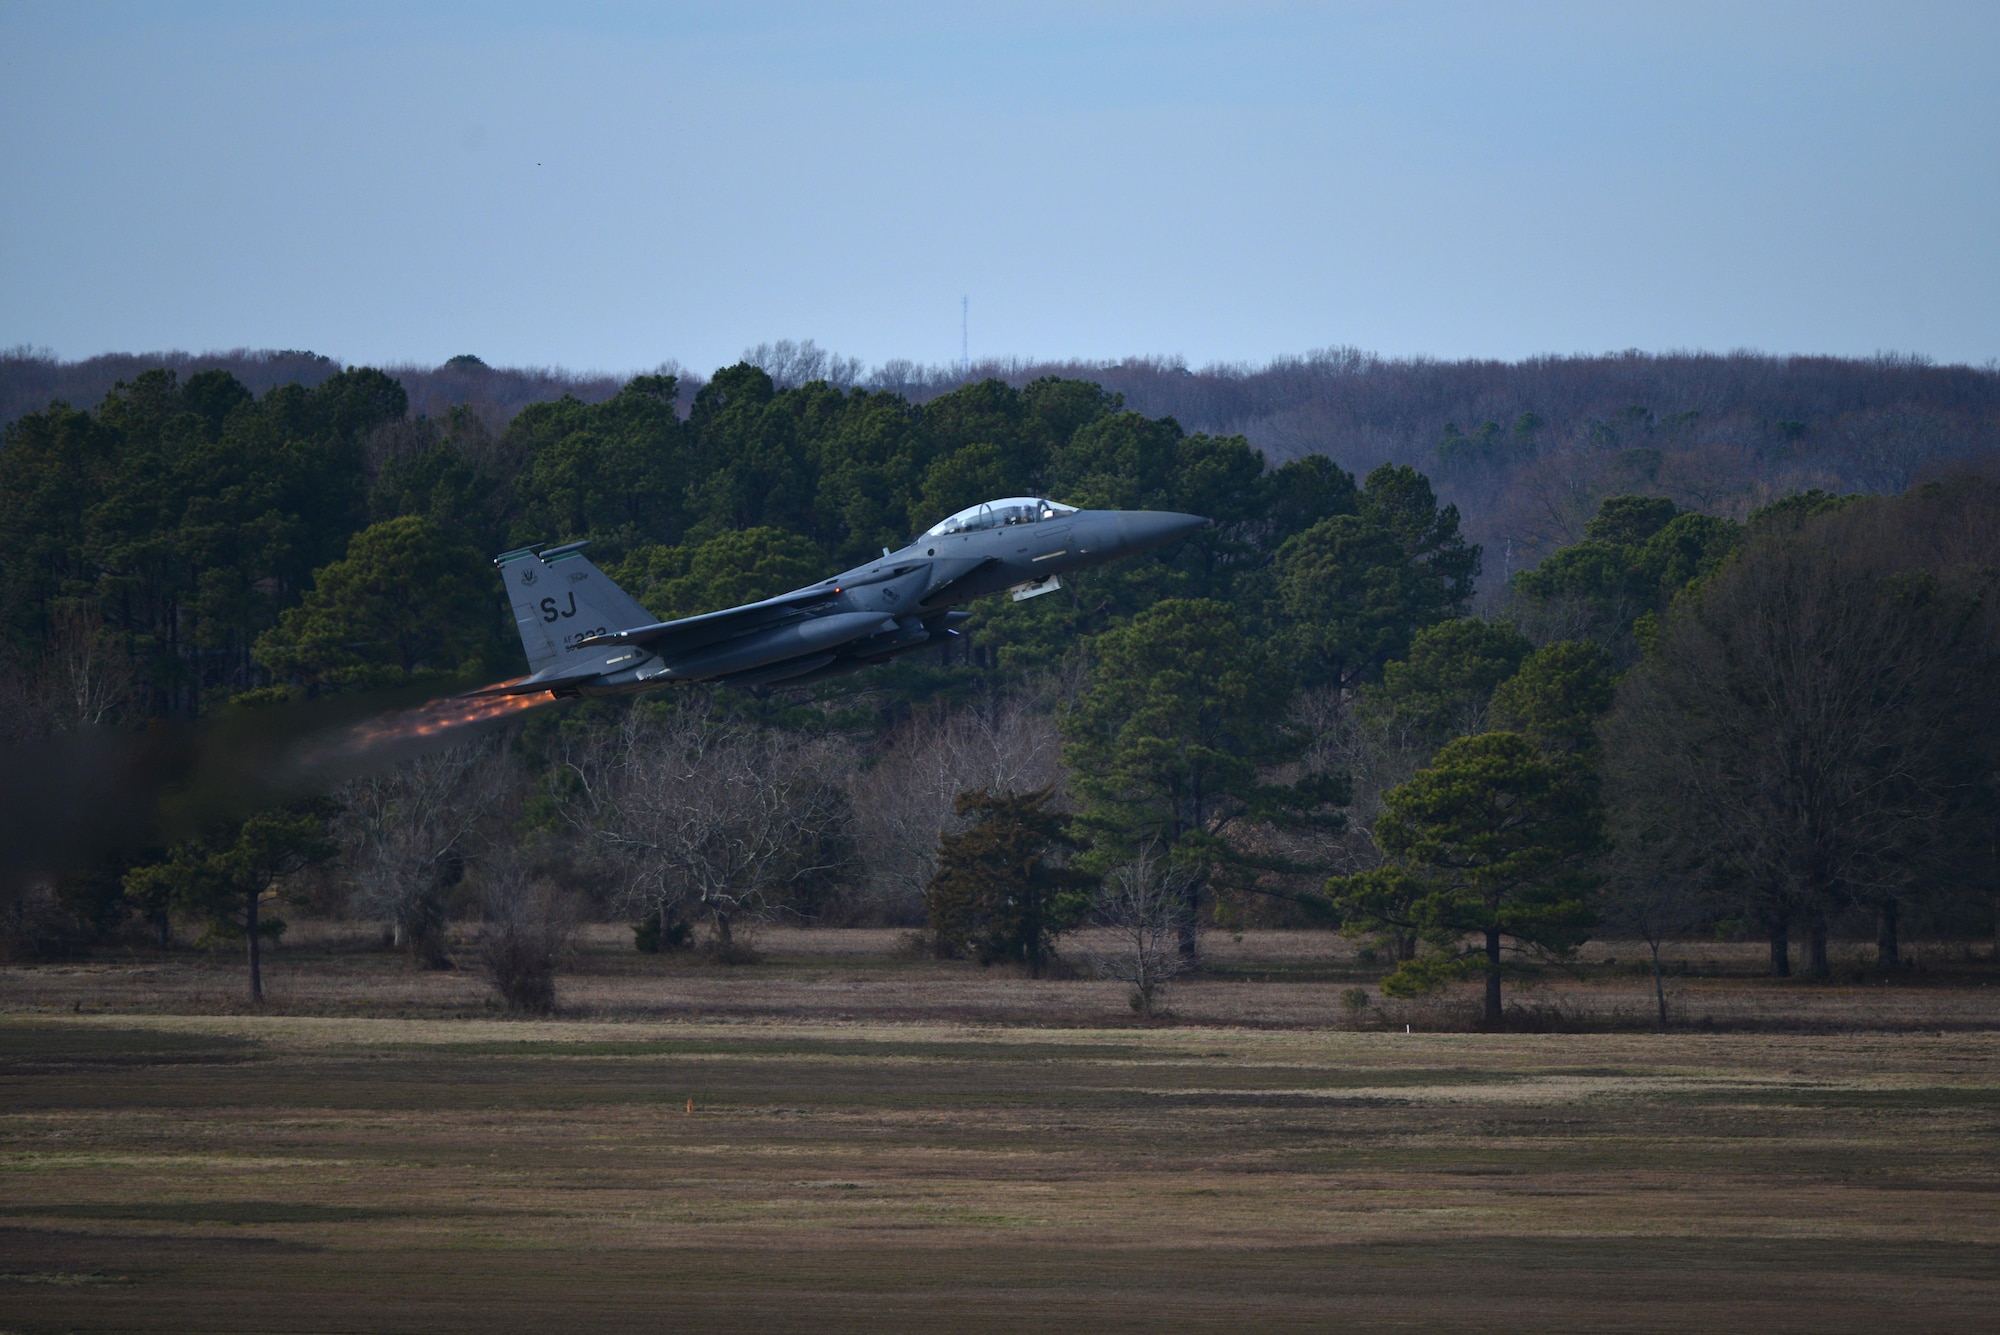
pixel 709 627
pixel 688 633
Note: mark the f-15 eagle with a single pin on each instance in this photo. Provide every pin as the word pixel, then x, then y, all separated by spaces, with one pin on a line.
pixel 586 636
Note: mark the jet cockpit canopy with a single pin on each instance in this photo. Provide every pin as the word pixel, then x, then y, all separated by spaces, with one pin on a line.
pixel 998 514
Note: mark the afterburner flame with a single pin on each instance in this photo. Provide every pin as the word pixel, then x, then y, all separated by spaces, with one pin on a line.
pixel 441 716
pixel 427 722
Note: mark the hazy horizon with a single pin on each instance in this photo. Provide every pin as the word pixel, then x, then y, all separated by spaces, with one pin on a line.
pixel 862 372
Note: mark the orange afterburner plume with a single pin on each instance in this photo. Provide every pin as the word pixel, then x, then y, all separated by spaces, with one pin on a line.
pixel 442 716
pixel 389 738
pixel 430 722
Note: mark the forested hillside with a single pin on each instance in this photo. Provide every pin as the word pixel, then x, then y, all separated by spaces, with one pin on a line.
pixel 30 380
pixel 184 522
pixel 1525 449
pixel 1290 717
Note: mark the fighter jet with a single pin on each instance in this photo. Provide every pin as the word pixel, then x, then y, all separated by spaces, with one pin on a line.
pixel 586 636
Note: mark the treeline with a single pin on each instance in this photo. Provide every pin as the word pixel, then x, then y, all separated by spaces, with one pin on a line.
pixel 1775 721
pixel 207 542
pixel 1528 449
pixel 1786 728
pixel 31 379
pixel 1525 449
pixel 189 547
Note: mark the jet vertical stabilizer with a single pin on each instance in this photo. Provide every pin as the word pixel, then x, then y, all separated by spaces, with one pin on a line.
pixel 559 597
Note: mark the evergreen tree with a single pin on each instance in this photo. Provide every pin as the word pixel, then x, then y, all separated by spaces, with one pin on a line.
pixel 1637 555
pixel 1399 499
pixel 1168 738
pixel 440 484
pixel 403 605
pixel 750 466
pixel 1356 588
pixel 1001 890
pixel 868 455
pixel 1488 843
pixel 615 472
pixel 183 518
pixel 1442 688
pixel 223 879
pixel 1024 426
pixel 728 569
pixel 1558 695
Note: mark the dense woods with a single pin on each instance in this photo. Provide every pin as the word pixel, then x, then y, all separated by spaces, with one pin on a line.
pixel 1525 449
pixel 1477 659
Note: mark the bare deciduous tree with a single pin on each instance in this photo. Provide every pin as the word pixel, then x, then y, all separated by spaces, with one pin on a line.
pixel 23 722
pixel 1377 750
pixel 1143 907
pixel 903 802
pixel 85 678
pixel 408 833
pixel 712 819
pixel 527 931
pixel 1650 898
pixel 791 364
pixel 1813 728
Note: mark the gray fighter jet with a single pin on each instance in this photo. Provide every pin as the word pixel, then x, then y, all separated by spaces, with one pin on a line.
pixel 586 636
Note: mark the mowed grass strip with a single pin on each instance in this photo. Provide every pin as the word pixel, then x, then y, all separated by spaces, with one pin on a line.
pixel 308 1174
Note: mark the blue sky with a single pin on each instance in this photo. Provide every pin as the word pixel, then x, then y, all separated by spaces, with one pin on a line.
pixel 609 186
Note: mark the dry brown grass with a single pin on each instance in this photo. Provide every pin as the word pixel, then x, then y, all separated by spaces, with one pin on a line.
pixel 878 1142
pixel 305 1173
pixel 1265 979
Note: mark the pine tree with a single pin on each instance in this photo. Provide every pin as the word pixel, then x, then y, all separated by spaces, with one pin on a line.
pixel 224 878
pixel 1001 891
pixel 1486 847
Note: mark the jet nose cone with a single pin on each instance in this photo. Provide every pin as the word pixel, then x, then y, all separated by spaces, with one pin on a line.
pixel 1143 530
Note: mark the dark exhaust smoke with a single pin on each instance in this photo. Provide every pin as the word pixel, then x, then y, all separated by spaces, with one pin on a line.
pixel 72 800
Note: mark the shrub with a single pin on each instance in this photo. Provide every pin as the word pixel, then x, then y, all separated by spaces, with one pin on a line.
pixel 650 935
pixel 529 930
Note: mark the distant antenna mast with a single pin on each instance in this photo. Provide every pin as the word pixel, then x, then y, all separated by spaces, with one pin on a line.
pixel 964 335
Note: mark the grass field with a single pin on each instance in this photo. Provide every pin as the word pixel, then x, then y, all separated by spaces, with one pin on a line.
pixel 322 1169
pixel 1263 980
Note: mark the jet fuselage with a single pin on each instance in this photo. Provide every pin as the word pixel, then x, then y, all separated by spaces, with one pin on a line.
pixel 585 636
